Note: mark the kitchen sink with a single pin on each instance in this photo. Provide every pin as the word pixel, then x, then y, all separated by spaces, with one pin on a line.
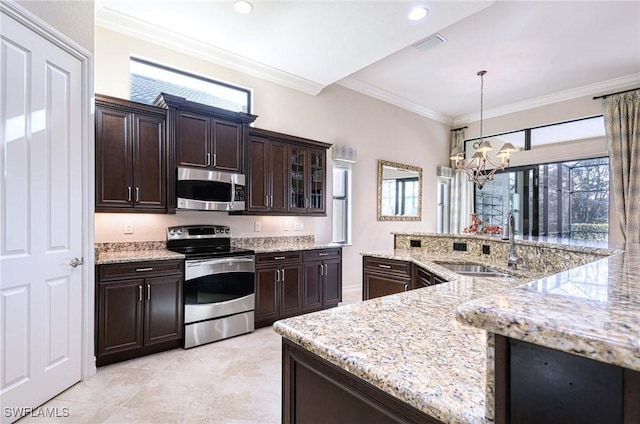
pixel 472 270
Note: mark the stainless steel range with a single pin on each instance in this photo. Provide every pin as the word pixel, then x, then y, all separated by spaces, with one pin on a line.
pixel 219 292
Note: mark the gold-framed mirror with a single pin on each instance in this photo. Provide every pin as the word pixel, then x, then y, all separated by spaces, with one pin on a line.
pixel 399 192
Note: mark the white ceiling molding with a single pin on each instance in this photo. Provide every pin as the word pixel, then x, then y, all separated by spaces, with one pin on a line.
pixel 600 88
pixel 377 93
pixel 124 24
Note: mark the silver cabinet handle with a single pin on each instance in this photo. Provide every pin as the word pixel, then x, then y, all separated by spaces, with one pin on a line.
pixel 137 194
pixel 323 254
pixel 140 293
pixel 326 269
pixel 148 291
pixel 384 266
pixel 208 159
pixel 128 194
pixel 266 200
pixel 406 287
pixel 75 262
pixel 270 201
pixel 278 258
pixel 277 275
pixel 321 270
pixel 215 159
pixel 282 280
pixel 143 269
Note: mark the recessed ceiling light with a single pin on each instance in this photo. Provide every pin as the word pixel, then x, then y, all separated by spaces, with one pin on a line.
pixel 243 7
pixel 418 13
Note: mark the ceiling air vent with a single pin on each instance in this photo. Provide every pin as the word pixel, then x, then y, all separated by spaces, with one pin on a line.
pixel 429 42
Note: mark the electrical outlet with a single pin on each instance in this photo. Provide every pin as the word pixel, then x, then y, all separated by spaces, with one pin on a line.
pixel 299 226
pixel 128 227
pixel 486 249
pixel 285 225
pixel 257 227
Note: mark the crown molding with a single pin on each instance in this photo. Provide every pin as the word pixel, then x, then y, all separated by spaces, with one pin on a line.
pixel 121 23
pixel 385 96
pixel 612 85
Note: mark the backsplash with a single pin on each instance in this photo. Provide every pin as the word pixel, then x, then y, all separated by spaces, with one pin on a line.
pixel 537 255
pixel 257 242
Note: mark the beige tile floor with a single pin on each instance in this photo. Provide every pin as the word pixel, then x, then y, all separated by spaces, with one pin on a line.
pixel 233 381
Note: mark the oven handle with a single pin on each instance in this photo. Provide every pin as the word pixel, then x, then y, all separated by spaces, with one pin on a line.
pixel 199 262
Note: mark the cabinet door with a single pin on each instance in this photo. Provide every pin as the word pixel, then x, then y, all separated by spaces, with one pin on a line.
pixel 119 316
pixel 317 181
pixel 258 174
pixel 149 170
pixel 278 177
pixel 377 285
pixel 266 295
pixel 291 290
pixel 193 140
pixel 114 179
pixel 298 179
pixel 227 146
pixel 332 283
pixel 313 285
pixel 163 309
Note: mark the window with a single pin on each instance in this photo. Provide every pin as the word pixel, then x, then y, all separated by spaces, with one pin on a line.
pixel 442 213
pixel 148 80
pixel 341 203
pixel 564 199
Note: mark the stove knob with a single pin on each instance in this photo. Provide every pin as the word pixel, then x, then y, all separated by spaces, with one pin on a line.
pixel 179 231
pixel 217 230
pixel 172 232
pixel 226 231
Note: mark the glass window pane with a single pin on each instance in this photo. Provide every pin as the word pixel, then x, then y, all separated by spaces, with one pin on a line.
pixel 149 80
pixel 568 131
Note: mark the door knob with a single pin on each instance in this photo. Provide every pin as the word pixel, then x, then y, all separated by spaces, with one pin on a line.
pixel 75 262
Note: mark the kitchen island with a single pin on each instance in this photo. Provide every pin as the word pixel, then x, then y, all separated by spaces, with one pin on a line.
pixel 419 349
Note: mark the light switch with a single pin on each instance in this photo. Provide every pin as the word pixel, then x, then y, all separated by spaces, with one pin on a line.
pixel 285 225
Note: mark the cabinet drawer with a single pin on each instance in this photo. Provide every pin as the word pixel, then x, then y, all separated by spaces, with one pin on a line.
pixel 139 269
pixel 268 259
pixel 321 254
pixel 387 265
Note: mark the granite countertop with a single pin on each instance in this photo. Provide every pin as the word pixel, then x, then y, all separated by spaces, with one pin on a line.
pixel 428 347
pixel 410 344
pixel 286 247
pixel 155 251
pixel 135 256
pixel 591 311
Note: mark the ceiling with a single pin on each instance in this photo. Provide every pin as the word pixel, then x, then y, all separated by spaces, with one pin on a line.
pixel 535 52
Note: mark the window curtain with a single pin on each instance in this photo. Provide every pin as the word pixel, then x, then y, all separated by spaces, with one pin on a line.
pixel 622 124
pixel 461 191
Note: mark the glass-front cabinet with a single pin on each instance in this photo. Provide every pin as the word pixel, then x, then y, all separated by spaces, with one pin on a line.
pixel 307 180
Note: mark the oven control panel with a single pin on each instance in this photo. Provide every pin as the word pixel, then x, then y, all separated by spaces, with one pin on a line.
pixel 189 232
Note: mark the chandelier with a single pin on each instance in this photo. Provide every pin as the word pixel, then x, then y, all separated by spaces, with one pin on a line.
pixel 481 167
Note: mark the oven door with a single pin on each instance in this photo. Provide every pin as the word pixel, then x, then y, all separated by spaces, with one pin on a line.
pixel 218 287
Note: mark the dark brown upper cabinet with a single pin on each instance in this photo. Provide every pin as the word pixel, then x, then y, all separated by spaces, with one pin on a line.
pixel 202 136
pixel 286 175
pixel 131 162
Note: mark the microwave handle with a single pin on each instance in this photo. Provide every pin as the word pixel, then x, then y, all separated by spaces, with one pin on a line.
pixel 233 191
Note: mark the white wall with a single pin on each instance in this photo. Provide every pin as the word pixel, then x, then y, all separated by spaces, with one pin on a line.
pixel 72 18
pixel 337 115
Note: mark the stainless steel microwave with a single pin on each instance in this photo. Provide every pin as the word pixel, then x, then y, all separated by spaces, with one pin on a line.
pixel 204 190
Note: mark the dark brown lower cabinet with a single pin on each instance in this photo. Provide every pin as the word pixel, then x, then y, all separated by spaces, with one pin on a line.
pixel 536 384
pixel 316 391
pixel 139 309
pixel 296 282
pixel 382 277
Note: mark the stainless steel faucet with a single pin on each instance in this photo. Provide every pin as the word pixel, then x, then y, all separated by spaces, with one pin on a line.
pixel 510 228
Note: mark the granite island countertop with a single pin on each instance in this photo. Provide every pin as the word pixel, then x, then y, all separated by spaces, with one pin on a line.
pixel 592 311
pixel 410 344
pixel 419 346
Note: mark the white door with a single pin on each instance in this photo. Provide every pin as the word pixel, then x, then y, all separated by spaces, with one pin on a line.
pixel 40 219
